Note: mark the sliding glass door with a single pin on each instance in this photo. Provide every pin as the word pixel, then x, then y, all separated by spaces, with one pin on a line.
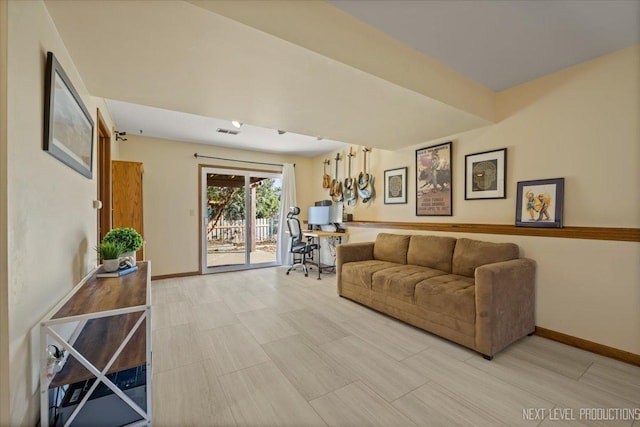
pixel 240 218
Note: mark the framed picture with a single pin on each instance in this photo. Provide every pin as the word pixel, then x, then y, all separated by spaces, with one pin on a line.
pixel 433 181
pixel 540 203
pixel 485 175
pixel 395 186
pixel 68 127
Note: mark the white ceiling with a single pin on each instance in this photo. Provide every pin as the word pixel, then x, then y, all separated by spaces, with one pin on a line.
pixel 137 119
pixel 503 43
pixel 179 70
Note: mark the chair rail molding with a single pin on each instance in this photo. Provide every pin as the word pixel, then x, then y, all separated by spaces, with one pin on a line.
pixel 589 233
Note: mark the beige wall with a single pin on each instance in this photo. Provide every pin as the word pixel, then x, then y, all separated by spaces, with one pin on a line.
pixel 581 124
pixel 51 221
pixel 171 198
pixel 4 283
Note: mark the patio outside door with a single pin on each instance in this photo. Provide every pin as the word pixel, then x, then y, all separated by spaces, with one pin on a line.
pixel 240 218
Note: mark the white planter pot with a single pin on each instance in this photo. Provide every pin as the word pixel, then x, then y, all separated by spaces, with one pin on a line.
pixel 110 265
pixel 131 255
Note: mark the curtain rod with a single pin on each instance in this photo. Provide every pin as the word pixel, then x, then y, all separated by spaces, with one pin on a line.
pixel 196 155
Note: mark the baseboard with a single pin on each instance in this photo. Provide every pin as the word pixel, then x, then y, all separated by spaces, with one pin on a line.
pixel 604 350
pixel 174 275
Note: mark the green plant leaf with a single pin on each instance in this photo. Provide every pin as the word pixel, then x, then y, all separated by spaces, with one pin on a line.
pixel 110 250
pixel 129 238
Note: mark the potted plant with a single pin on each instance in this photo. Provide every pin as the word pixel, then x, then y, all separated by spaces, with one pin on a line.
pixel 109 253
pixel 128 238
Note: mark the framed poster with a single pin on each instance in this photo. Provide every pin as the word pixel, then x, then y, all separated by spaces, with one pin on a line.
pixel 68 127
pixel 540 203
pixel 395 186
pixel 485 175
pixel 433 181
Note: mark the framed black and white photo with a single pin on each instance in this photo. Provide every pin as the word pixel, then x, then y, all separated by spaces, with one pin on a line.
pixel 395 186
pixel 433 181
pixel 68 127
pixel 485 175
pixel 540 203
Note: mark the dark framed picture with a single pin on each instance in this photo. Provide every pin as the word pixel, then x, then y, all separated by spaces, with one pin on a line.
pixel 68 127
pixel 485 175
pixel 395 186
pixel 540 203
pixel 433 181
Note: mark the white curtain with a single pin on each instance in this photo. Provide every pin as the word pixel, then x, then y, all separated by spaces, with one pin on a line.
pixel 287 199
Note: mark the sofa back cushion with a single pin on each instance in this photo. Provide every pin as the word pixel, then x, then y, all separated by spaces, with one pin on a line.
pixel 470 254
pixel 391 248
pixel 431 251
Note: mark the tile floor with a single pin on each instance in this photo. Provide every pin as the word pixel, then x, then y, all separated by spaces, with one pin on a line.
pixel 260 348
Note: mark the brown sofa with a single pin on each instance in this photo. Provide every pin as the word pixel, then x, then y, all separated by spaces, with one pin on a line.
pixel 477 294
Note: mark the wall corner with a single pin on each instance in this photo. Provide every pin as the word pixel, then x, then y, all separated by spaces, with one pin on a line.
pixel 5 416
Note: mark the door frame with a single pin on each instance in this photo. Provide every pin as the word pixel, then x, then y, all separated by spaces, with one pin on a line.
pixel 203 170
pixel 103 174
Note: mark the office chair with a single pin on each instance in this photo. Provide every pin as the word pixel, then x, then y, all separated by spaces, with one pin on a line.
pixel 299 247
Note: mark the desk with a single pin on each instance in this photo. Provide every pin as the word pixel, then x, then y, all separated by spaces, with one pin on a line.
pixel 316 235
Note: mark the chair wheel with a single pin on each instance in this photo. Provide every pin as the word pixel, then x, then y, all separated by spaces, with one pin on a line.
pixel 287 273
pixel 306 274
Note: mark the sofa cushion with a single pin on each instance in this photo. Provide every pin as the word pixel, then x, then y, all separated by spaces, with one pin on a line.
pixel 431 251
pixel 401 281
pixel 391 247
pixel 449 294
pixel 471 254
pixel 359 273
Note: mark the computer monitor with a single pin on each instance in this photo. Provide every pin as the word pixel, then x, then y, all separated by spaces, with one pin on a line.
pixel 335 213
pixel 319 215
pixel 324 215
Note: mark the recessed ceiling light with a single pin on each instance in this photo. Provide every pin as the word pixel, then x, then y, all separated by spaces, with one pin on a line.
pixel 236 124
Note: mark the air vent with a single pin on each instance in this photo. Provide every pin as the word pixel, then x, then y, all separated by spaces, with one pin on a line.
pixel 228 131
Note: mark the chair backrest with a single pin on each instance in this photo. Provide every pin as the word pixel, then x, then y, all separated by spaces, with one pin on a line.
pixel 294 231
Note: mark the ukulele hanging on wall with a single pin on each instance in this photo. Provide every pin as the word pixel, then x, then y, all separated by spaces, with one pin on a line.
pixel 326 179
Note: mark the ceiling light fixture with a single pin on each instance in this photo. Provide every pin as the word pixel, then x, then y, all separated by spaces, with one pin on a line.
pixel 228 131
pixel 236 124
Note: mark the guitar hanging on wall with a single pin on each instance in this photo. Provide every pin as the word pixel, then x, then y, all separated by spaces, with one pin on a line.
pixel 365 180
pixel 326 179
pixel 336 185
pixel 350 192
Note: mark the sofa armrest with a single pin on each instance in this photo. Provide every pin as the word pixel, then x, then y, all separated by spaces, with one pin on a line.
pixel 505 303
pixel 351 252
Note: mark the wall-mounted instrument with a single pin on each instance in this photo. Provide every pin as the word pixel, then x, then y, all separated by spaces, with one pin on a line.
pixel 365 180
pixel 326 179
pixel 350 192
pixel 336 185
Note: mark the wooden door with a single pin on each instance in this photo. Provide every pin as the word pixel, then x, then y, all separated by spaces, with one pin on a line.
pixel 127 197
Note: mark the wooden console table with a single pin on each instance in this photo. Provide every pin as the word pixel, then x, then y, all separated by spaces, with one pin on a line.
pixel 112 334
